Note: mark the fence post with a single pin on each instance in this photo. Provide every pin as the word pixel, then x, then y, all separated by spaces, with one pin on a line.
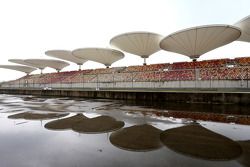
pixel 82 80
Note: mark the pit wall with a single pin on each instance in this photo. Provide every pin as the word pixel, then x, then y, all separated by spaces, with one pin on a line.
pixel 160 96
pixel 166 84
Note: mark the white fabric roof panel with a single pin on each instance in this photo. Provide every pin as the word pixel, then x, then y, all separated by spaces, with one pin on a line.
pixel 244 25
pixel 56 64
pixel 24 69
pixel 23 62
pixel 141 44
pixel 19 61
pixel 194 42
pixel 65 55
pixel 100 55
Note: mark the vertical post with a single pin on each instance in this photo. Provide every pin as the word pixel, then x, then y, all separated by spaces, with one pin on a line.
pixel 113 80
pixel 247 75
pixel 144 63
pixel 82 80
pixel 179 82
pixel 132 79
pixel 210 81
pixel 97 82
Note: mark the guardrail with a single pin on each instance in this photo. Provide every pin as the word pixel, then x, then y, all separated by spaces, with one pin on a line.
pixel 188 78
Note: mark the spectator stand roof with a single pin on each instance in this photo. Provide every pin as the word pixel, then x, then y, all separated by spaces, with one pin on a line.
pixel 20 68
pixel 23 62
pixel 56 64
pixel 101 55
pixel 66 55
pixel 244 25
pixel 193 42
pixel 142 44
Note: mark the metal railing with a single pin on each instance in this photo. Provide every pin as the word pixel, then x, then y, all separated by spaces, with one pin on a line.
pixel 188 78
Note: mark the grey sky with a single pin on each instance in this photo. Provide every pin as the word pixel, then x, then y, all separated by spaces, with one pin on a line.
pixel 29 28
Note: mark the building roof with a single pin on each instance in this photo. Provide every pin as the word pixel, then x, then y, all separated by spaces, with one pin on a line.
pixel 142 44
pixel 23 62
pixel 244 25
pixel 194 42
pixel 65 55
pixel 101 55
pixel 24 69
pixel 56 64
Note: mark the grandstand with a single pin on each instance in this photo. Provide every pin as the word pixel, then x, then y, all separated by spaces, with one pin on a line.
pixel 211 73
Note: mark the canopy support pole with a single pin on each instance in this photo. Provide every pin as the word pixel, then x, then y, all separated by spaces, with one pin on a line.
pixel 144 63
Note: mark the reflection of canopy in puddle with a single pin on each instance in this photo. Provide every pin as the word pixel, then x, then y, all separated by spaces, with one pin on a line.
pixel 33 99
pixel 194 140
pixel 82 124
pixel 137 138
pixel 245 157
pixel 36 116
pixel 65 123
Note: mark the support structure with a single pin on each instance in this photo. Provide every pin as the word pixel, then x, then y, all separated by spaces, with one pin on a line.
pixel 79 69
pixel 144 62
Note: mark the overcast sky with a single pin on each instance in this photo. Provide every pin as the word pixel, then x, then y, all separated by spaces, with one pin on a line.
pixel 30 27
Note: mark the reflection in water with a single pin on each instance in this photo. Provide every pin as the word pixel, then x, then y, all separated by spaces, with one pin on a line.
pixel 28 144
pixel 83 124
pixel 194 140
pixel 195 107
pixel 245 157
pixel 36 116
pixel 33 99
pixel 99 124
pixel 137 138
pixel 65 123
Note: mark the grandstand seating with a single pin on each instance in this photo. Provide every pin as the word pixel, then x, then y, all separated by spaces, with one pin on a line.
pixel 202 70
pixel 200 64
pixel 243 61
pixel 152 67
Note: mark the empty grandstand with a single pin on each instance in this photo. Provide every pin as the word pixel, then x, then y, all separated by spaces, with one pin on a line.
pixel 219 73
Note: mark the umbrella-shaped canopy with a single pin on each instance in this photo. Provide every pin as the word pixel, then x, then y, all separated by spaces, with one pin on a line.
pixel 23 62
pixel 244 25
pixel 100 55
pixel 142 44
pixel 65 55
pixel 196 41
pixel 56 64
pixel 24 69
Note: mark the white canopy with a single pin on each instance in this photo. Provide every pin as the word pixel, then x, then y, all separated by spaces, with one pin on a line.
pixel 244 25
pixel 23 62
pixel 65 55
pixel 142 44
pixel 24 69
pixel 100 55
pixel 56 64
pixel 194 42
